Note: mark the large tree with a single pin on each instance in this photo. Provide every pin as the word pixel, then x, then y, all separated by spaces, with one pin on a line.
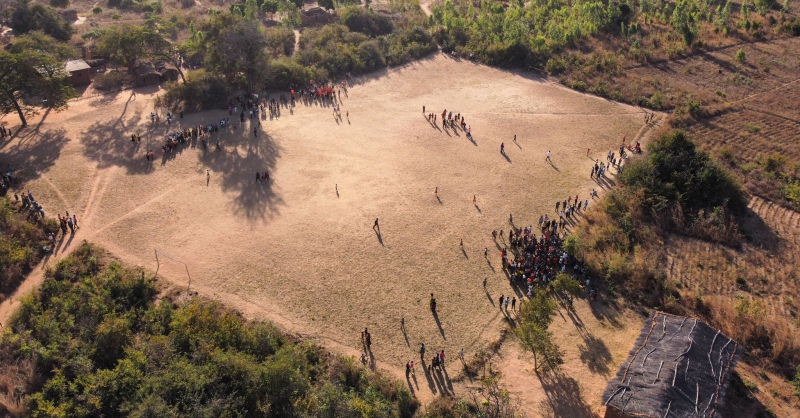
pixel 239 49
pixel 125 44
pixel 159 48
pixel 30 17
pixel 34 68
pixel 129 44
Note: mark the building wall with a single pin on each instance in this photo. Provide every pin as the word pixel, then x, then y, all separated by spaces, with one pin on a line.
pixel 147 79
pixel 320 19
pixel 81 77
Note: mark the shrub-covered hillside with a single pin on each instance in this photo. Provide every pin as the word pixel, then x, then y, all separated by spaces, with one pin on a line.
pixel 22 236
pixel 95 341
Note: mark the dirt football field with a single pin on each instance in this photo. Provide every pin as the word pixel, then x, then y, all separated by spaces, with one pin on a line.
pixel 294 250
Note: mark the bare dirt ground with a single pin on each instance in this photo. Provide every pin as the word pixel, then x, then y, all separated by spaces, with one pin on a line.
pixel 296 252
pixel 595 339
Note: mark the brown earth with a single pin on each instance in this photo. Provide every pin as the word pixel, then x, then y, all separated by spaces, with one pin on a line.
pixel 296 252
pixel 757 284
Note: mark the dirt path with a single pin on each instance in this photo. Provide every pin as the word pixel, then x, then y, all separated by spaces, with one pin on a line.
pixel 426 6
pixel 299 253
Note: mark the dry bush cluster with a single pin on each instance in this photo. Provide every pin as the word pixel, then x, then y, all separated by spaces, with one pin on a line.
pixel 683 261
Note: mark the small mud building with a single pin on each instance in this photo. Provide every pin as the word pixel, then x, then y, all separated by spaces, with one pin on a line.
pixel 316 16
pixel 679 367
pixel 79 71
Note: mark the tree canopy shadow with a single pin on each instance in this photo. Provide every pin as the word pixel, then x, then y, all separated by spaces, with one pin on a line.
pixel 106 98
pixel 241 155
pixel 236 165
pixel 604 309
pixel 109 143
pixel 595 354
pixel 33 151
pixel 563 397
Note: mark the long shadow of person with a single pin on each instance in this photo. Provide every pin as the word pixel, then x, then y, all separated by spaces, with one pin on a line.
pixel 429 378
pixel 447 379
pixel 439 324
pixel 440 380
pixel 410 386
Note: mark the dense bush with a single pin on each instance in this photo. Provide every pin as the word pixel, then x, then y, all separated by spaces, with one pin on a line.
pixel 359 19
pixel 366 42
pixel 675 172
pixel 201 91
pixel 100 345
pixel 112 80
pixel 337 50
pixel 21 240
pixel 28 17
pixel 518 34
pixel 285 72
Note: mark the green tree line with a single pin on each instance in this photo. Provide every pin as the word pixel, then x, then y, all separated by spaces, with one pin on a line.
pixel 99 342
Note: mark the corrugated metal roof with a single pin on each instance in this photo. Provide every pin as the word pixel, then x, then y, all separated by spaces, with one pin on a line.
pixel 76 65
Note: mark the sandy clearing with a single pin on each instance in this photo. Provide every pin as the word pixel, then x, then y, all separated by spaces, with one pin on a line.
pixel 295 252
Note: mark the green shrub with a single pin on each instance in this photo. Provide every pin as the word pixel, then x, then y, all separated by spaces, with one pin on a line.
pixel 201 91
pixel 579 85
pixel 97 10
pixel 753 129
pixel 359 19
pixel 152 7
pixel 741 56
pixel 796 382
pixel 791 192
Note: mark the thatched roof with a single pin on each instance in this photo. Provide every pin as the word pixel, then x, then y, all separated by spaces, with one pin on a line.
pixel 145 68
pixel 162 67
pixel 679 367
pixel 315 11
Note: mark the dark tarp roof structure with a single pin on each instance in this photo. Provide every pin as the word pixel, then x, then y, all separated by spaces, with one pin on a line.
pixel 678 367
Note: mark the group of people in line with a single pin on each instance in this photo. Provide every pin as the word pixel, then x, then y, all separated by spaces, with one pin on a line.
pixel 29 203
